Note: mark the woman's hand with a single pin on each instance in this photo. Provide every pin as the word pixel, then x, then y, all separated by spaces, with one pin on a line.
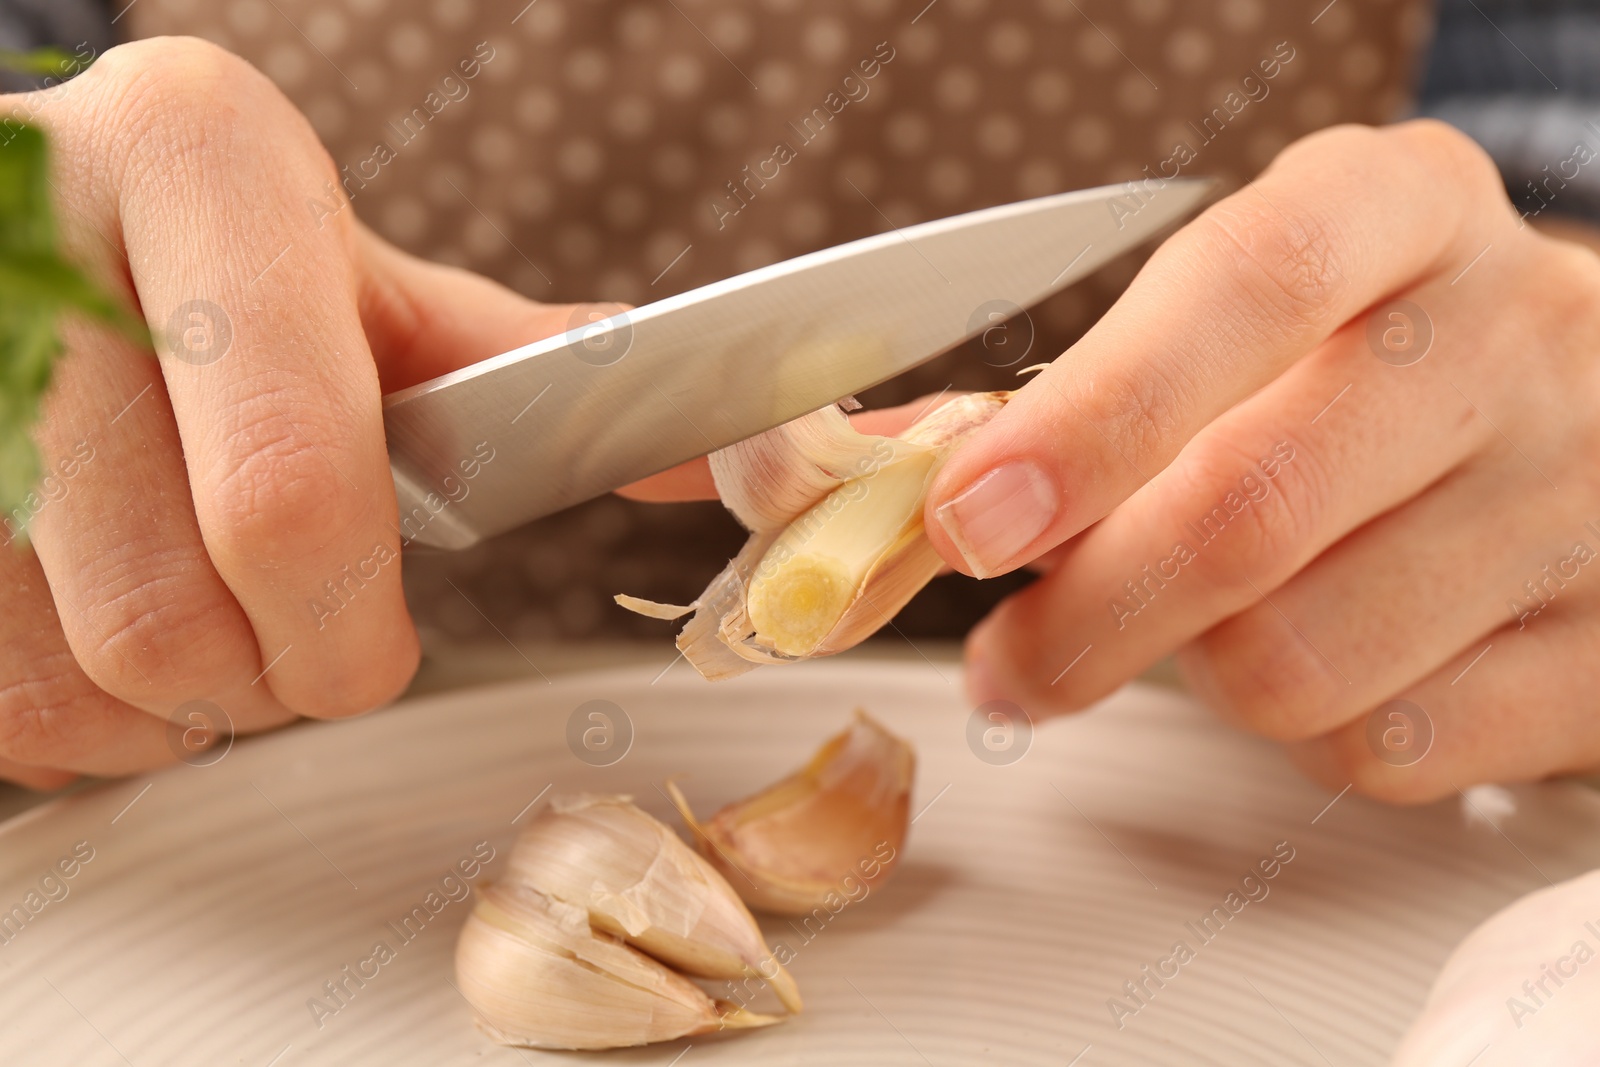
pixel 197 505
pixel 1337 445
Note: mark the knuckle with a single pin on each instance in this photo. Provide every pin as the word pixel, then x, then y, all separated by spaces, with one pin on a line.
pixel 276 498
pixel 1135 409
pixel 1254 529
pixel 1288 263
pixel 1263 676
pixel 1371 777
pixel 49 717
pixel 151 633
pixel 1441 148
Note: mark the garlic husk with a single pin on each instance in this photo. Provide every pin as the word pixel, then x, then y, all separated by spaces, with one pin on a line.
pixel 837 545
pixel 539 976
pixel 637 879
pixel 836 827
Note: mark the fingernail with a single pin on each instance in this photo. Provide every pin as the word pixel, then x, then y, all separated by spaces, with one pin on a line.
pixel 992 520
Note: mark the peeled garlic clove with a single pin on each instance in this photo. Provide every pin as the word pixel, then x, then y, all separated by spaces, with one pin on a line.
pixel 636 879
pixel 836 546
pixel 834 828
pixel 539 976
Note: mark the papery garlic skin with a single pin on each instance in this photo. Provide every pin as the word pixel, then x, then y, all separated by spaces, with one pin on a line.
pixel 647 887
pixel 581 943
pixel 835 828
pixel 539 976
pixel 837 544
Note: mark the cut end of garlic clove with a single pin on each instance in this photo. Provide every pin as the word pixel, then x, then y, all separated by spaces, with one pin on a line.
pixel 835 828
pixel 837 544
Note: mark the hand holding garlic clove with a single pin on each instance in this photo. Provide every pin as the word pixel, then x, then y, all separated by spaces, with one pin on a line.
pixel 836 545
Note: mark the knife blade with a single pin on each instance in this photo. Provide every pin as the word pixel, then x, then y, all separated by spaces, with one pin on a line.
pixel 521 435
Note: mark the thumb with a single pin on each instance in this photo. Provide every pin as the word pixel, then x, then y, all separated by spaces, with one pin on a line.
pixel 425 319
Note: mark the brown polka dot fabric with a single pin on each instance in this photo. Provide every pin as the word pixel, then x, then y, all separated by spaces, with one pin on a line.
pixel 630 149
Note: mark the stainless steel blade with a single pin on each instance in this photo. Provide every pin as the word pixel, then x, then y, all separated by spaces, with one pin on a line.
pixel 554 423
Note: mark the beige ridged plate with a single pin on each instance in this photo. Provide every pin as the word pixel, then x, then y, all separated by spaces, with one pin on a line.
pixel 220 902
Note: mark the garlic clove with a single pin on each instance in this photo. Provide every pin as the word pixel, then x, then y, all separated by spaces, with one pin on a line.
pixel 835 827
pixel 539 976
pixel 837 544
pixel 636 879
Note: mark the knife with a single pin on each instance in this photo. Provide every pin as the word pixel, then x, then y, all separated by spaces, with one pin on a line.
pixel 521 435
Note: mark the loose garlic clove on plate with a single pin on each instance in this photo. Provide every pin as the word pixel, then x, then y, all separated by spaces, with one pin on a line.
pixel 836 546
pixel 539 976
pixel 586 940
pixel 834 828
pixel 639 881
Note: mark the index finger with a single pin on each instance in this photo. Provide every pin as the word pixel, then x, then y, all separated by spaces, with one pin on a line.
pixel 1339 221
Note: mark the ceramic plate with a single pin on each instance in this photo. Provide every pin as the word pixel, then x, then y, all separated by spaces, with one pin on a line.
pixel 1036 917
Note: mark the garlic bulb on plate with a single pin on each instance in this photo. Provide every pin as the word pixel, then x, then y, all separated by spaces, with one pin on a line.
pixel 831 831
pixel 586 941
pixel 836 546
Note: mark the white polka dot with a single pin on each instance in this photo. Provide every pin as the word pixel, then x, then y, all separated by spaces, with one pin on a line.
pixel 956 89
pixel 919 43
pixel 373 77
pixel 755 253
pixel 286 64
pixel 730 30
pixel 403 219
pixel 639 27
pixel 662 248
pixel 777 79
pixel 672 165
pixel 1263 145
pixel 249 16
pixel 1038 177
pixel 1361 64
pixel 1135 95
pixel 494 147
pixel 1316 106
pixel 586 69
pixel 506 62
pixel 544 21
pixel 1242 15
pixel 536 109
pixel 624 207
pixel 1088 137
pixel 577 245
pixel 1149 11
pixel 1335 23
pixel 681 75
pixel 630 116
pixel 481 239
pixel 1095 49
pixel 452 13
pixel 824 40
pixel 580 159
pixel 1000 135
pixel 1009 43
pixel 441 185
pixel 949 179
pixel 409 45
pixel 327 29
pixel 861 171
pixel 726 124
pixel 1189 50
pixel 805 222
pixel 906 133
pixel 1049 91
pixel 328 116
pixel 529 197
